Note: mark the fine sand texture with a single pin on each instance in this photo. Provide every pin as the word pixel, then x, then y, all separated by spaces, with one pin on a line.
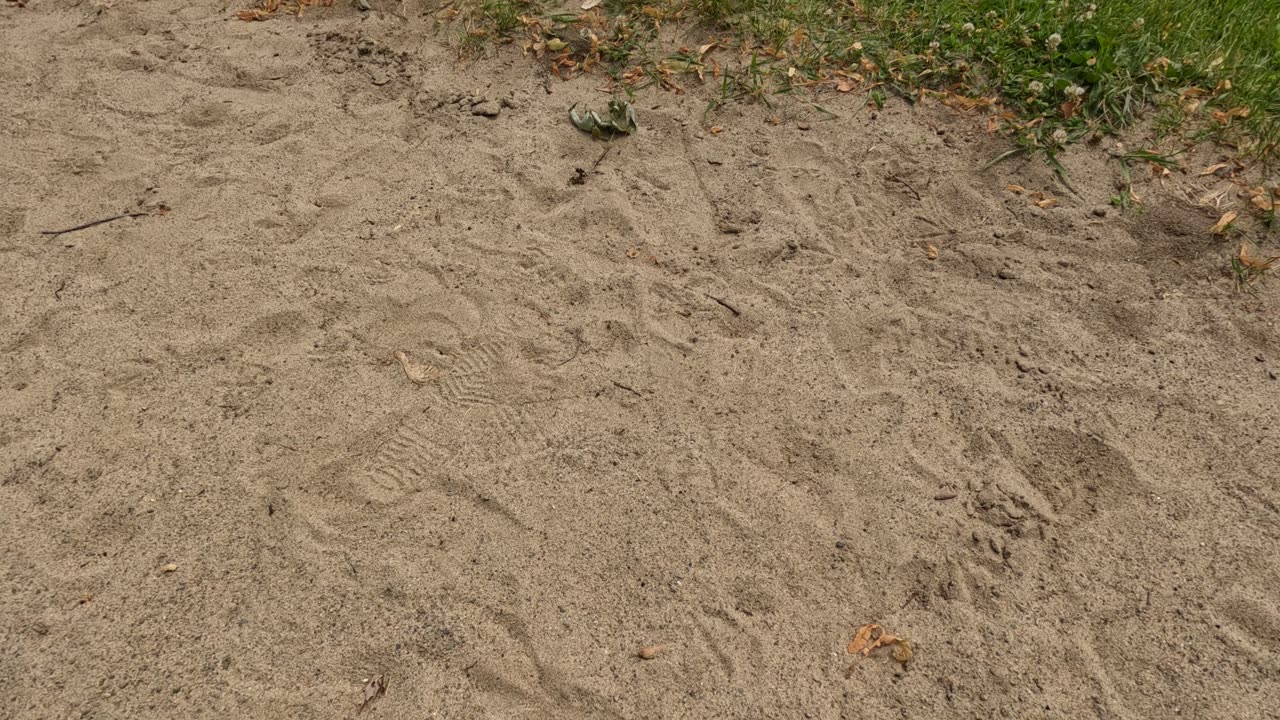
pixel 391 382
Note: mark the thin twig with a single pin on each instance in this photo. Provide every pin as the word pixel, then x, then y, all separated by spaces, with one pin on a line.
pixel 596 164
pixel 726 304
pixel 86 226
pixel 629 389
pixel 906 185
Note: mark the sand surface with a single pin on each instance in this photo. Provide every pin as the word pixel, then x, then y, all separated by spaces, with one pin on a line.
pixel 716 398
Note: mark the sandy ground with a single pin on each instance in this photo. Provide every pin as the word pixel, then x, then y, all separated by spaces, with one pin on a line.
pixel 716 398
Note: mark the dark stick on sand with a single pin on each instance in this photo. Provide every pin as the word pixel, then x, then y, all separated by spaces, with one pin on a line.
pixel 86 226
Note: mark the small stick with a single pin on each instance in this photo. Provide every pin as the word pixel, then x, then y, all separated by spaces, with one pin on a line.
pixel 86 226
pixel 725 303
pixel 596 164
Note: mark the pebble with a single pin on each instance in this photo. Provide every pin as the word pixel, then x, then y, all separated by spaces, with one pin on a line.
pixel 379 77
pixel 171 567
pixel 487 109
pixel 1100 211
pixel 1007 274
pixel 510 102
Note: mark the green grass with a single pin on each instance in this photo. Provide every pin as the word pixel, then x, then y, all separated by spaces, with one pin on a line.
pixel 1050 73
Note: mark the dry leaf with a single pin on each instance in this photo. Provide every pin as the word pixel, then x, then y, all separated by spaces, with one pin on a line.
pixel 932 251
pixel 902 652
pixel 1221 226
pixel 588 4
pixel 1213 169
pixel 417 374
pixel 650 652
pixel 862 637
pixel 633 253
pixel 1261 264
pixel 1069 108
pixel 1224 117
pixel 1046 203
pixel 1016 189
pixel 374 689
pixel 1262 199
pixel 716 129
pixel 845 84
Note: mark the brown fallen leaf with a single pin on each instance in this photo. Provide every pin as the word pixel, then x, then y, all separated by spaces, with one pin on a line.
pixel 932 251
pixel 1016 189
pixel 1261 264
pixel 650 652
pixel 417 374
pixel 1227 218
pixel 374 689
pixel 1223 117
pixel 863 637
pixel 1262 199
pixel 871 637
pixel 1213 169
pixel 716 129
pixel 1046 203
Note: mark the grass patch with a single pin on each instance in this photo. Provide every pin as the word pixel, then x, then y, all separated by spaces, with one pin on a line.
pixel 1051 73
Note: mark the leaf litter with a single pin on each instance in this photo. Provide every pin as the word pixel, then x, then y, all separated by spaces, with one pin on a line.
pixel 375 688
pixel 873 637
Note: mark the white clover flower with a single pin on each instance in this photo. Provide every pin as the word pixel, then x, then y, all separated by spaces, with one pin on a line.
pixel 1036 87
pixel 1075 91
pixel 968 27
pixel 1054 41
pixel 1060 136
pixel 934 45
pixel 991 14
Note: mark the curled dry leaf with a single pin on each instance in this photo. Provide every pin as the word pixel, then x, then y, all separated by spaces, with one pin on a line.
pixel 650 652
pixel 374 689
pixel 1256 262
pixel 1224 117
pixel 1016 189
pixel 871 637
pixel 1262 199
pixel 633 253
pixel 1214 169
pixel 1224 222
pixel 932 251
pixel 417 374
pixel 1046 203
pixel 716 129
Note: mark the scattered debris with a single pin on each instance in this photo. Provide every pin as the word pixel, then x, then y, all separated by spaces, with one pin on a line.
pixel 650 652
pixel 374 688
pixel 417 374
pixel 872 637
pixel 86 226
pixel 621 118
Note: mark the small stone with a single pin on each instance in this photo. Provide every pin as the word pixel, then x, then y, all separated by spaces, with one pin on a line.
pixel 171 567
pixel 1271 374
pixel 840 544
pixel 1007 274
pixel 803 126
pixel 944 496
pixel 489 108
pixel 510 102
pixel 379 77
pixel 1100 212
pixel 1022 366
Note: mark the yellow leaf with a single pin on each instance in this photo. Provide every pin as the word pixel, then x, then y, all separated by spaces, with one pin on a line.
pixel 1223 222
